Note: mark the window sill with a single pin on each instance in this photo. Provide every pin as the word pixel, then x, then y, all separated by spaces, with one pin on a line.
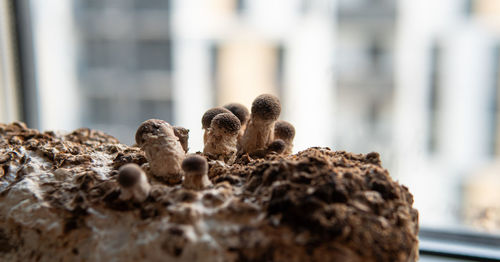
pixel 465 246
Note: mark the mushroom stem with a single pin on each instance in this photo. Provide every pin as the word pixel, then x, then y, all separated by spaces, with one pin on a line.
pixel 219 145
pixel 222 137
pixel 258 135
pixel 196 181
pixel 285 131
pixel 165 157
pixel 163 150
pixel 133 182
pixel 195 173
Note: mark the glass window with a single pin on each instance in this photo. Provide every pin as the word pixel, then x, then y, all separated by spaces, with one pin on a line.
pixel 160 109
pixel 434 99
pixel 100 110
pixel 92 4
pixel 152 4
pixel 154 55
pixel 99 53
pixel 416 81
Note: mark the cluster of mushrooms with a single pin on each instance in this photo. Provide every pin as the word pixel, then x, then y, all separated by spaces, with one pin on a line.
pixel 230 131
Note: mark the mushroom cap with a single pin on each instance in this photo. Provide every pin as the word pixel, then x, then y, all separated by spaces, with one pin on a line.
pixel 129 175
pixel 206 120
pixel 227 122
pixel 277 146
pixel 195 163
pixel 239 110
pixel 284 130
pixel 151 126
pixel 266 107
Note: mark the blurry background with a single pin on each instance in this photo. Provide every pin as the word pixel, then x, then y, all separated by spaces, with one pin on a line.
pixel 416 81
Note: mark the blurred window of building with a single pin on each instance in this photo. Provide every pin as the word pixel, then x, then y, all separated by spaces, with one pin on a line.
pixel 280 69
pixel 494 112
pixel 468 8
pixel 153 108
pixel 375 53
pixel 154 54
pixel 100 110
pixel 152 4
pixel 214 66
pixel 92 4
pixel 99 53
pixel 435 59
pixel 240 6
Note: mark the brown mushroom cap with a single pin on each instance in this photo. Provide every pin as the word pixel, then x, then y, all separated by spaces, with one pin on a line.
pixel 266 107
pixel 277 146
pixel 128 175
pixel 151 126
pixel 195 163
pixel 206 120
pixel 284 130
pixel 227 122
pixel 239 110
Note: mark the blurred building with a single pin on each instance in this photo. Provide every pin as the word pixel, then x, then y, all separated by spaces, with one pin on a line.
pixel 240 49
pixel 124 63
pixel 414 80
pixel 446 103
pixel 481 207
pixel 365 76
pixel 173 60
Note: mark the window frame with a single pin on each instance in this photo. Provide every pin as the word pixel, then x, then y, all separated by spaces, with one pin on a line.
pixel 9 78
pixel 459 244
pixel 25 62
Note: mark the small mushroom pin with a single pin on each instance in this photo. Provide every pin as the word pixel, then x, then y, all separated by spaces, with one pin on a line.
pixel 222 136
pixel 195 173
pixel 133 183
pixel 206 119
pixel 242 113
pixel 285 131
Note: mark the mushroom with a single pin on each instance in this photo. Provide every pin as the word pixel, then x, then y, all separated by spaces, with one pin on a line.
pixel 278 146
pixel 183 135
pixel 286 132
pixel 163 150
pixel 260 128
pixel 206 120
pixel 242 113
pixel 222 136
pixel 133 183
pixel 195 173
